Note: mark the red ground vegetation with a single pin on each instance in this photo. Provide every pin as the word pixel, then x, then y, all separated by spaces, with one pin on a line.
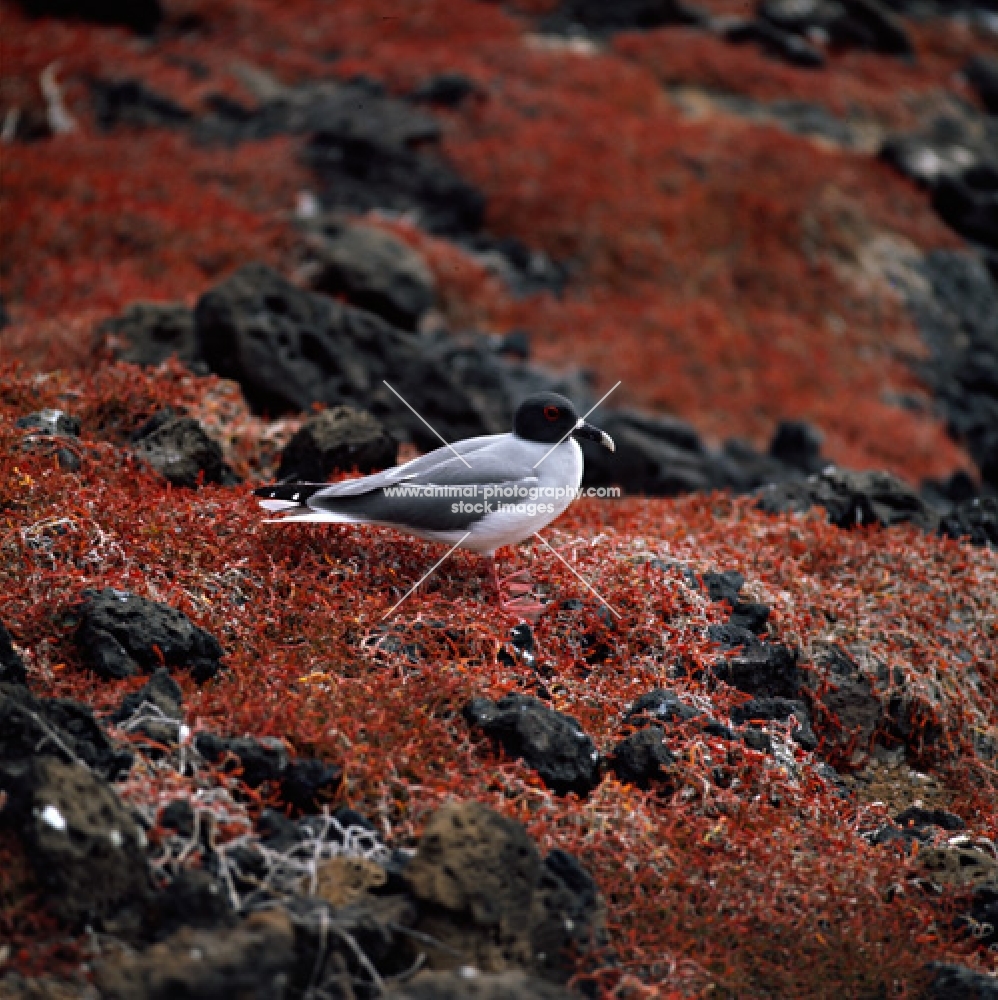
pixel 762 889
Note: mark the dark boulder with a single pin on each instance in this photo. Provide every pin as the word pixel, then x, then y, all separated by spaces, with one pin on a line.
pixel 132 104
pixel 982 74
pixel 779 709
pixel 798 444
pixel 975 520
pixel 624 15
pixel 764 669
pixel 147 333
pixel 957 982
pixel 290 348
pixel 308 782
pixel 142 16
pixel 447 90
pixel 846 711
pixel 179 449
pixel 915 817
pixel 655 455
pixel 552 743
pixel 51 423
pixel 774 41
pixel 851 499
pixel 86 849
pixel 12 669
pixel 861 23
pixel 642 757
pixel 253 960
pixel 195 898
pixel 339 439
pixel 57 727
pixel 154 711
pixel 371 269
pixel 121 634
pixel 968 202
pixel 662 705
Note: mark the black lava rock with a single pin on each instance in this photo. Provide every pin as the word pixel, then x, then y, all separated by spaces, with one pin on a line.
pixel 86 849
pixel 147 333
pixel 957 982
pixel 178 815
pixel 448 90
pixel 132 104
pixel 260 760
pixel 58 727
pixel 915 817
pixel 180 450
pixel 552 743
pixel 337 439
pixel 160 690
pixel 968 202
pixel 798 444
pixel 624 15
pixel 982 74
pixel 195 898
pixel 54 423
pixel 121 634
pixel 12 669
pixel 757 739
pixel 779 709
pixel 761 668
pixel 852 499
pixel 307 781
pixel 849 714
pixel 724 586
pixel 774 41
pixel 642 757
pixel 289 348
pixel 975 520
pixel 371 269
pixel 862 23
pixel 663 705
pixel 142 16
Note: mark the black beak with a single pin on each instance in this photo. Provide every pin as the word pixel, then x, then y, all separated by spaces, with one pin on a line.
pixel 586 432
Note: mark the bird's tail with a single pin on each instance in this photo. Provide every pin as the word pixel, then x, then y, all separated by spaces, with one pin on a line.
pixel 291 500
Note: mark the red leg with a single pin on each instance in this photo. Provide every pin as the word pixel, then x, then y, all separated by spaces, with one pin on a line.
pixel 519 604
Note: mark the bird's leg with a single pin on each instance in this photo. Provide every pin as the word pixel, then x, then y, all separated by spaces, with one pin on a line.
pixel 519 603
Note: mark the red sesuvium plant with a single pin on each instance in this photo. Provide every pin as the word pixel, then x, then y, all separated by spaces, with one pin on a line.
pixel 759 885
pixel 720 269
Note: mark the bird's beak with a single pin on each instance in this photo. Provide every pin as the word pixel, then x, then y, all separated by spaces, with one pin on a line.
pixel 586 432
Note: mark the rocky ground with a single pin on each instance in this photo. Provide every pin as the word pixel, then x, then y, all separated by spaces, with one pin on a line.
pixel 759 758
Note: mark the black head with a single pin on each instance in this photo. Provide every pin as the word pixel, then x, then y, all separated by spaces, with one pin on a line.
pixel 547 418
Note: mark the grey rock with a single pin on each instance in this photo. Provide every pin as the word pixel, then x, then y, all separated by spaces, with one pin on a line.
pixel 337 439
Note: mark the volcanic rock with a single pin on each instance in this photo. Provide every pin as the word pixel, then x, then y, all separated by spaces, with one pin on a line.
pixel 307 782
pixel 59 727
pixel 968 201
pixel 772 40
pixel 916 817
pixel 261 760
pixel 982 74
pixel 448 90
pixel 624 15
pixel 371 269
pixel 121 634
pixel 195 898
pixel 132 104
pixel 798 444
pixel 846 713
pixel 523 270
pixel 642 757
pixel 54 423
pixel 975 520
pixel 552 743
pixel 147 333
pixel 337 439
pixel 142 16
pixel 863 23
pixel 761 668
pixel 180 450
pixel 12 670
pixel 664 705
pixel 851 499
pixel 85 848
pixel 779 709
pixel 484 893
pixel 163 695
pixel 957 982
pixel 252 961
pixel 289 348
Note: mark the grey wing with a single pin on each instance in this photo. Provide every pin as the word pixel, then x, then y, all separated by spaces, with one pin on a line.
pixel 413 470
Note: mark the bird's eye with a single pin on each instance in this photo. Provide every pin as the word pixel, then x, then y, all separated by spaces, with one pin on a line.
pixel 552 413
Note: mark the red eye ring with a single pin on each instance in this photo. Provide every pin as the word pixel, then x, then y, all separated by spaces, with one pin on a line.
pixel 551 413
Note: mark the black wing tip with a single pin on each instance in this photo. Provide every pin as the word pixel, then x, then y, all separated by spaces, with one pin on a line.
pixel 299 492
